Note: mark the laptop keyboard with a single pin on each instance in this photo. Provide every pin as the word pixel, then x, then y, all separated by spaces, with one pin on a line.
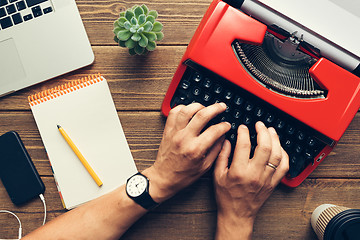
pixel 14 12
pixel 301 142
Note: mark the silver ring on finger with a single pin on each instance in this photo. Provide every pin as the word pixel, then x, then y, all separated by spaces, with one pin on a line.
pixel 271 165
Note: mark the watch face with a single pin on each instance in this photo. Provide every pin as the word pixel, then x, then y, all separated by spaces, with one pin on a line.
pixel 136 185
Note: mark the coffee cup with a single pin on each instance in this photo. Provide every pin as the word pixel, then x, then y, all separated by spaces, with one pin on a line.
pixel 331 222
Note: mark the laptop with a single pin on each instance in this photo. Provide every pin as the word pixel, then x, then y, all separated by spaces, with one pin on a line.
pixel 39 40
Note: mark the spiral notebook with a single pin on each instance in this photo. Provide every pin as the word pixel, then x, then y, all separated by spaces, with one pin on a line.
pixel 85 109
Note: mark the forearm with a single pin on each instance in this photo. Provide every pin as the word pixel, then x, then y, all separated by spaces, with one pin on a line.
pixel 231 228
pixel 178 164
pixel 107 217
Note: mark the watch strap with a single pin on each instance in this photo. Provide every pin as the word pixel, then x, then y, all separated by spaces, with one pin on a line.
pixel 146 201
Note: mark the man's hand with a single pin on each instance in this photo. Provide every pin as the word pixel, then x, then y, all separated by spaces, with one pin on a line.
pixel 243 188
pixel 185 151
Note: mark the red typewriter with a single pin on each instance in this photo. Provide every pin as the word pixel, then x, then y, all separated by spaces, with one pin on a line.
pixel 264 72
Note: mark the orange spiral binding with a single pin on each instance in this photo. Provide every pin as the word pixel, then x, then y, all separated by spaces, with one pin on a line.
pixel 57 91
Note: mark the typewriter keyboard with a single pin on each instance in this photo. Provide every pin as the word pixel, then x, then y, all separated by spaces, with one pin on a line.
pixel 298 140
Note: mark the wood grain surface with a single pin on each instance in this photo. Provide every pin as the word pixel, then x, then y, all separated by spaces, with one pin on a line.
pixel 138 85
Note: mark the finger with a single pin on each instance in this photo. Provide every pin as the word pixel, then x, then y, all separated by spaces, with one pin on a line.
pixel 242 148
pixel 222 161
pixel 202 117
pixel 213 152
pixel 212 134
pixel 263 149
pixel 276 154
pixel 281 170
pixel 171 119
pixel 186 114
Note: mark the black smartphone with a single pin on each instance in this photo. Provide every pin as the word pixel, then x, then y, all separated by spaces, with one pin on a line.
pixel 17 172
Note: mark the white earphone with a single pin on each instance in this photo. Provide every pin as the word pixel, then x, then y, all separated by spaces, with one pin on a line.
pixel 20 228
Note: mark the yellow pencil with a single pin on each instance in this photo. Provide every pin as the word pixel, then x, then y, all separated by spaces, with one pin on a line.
pixel 80 156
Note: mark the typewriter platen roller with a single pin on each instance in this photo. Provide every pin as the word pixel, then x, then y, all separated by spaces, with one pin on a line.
pixel 276 71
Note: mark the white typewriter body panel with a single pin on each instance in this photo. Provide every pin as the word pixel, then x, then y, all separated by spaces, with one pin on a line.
pixel 329 25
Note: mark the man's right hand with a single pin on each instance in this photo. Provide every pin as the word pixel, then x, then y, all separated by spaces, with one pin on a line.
pixel 242 188
pixel 186 151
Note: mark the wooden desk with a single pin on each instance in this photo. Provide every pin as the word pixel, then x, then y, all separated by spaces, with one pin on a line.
pixel 138 85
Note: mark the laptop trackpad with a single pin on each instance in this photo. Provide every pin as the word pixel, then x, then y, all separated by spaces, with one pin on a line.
pixel 11 68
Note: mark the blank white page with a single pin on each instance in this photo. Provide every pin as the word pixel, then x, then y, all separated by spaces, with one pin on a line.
pixel 334 20
pixel 89 117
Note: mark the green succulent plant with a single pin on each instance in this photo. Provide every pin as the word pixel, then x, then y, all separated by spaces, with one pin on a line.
pixel 138 30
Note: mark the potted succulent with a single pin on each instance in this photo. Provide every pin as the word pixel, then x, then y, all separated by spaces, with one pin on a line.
pixel 138 30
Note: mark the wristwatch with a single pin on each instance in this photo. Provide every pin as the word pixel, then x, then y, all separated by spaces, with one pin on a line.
pixel 137 188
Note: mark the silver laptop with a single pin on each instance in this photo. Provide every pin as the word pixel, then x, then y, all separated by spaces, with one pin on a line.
pixel 39 40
